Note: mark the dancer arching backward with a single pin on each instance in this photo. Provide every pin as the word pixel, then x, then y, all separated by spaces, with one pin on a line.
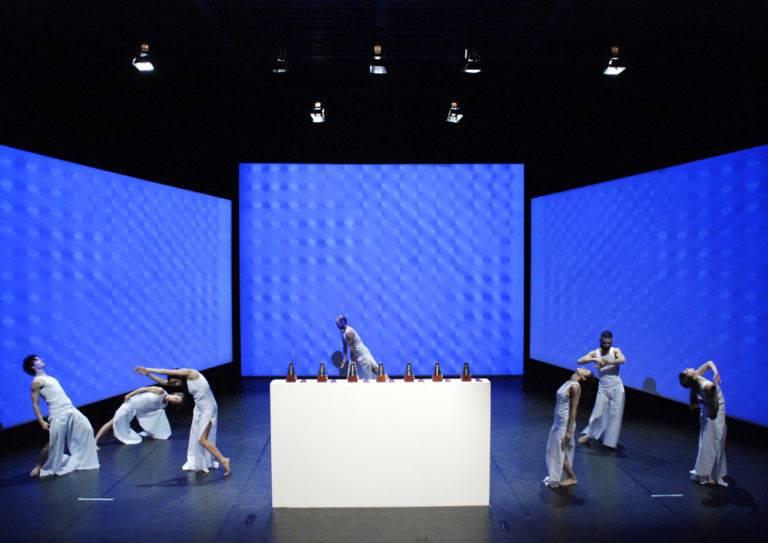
pixel 202 434
pixel 67 428
pixel 710 465
pixel 365 365
pixel 147 404
pixel 605 420
pixel 560 445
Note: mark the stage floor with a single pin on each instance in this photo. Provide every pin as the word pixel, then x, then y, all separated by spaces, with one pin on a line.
pixel 639 493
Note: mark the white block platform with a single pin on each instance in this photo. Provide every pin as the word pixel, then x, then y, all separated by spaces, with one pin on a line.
pixel 369 444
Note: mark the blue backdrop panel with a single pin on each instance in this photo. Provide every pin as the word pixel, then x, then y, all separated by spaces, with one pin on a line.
pixel 674 262
pixel 426 261
pixel 101 272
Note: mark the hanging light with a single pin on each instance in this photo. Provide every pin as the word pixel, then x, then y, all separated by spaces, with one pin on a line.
pixel 318 113
pixel 472 66
pixel 615 64
pixel 142 61
pixel 377 66
pixel 454 114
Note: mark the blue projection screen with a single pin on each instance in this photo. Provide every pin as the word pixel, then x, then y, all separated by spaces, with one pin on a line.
pixel 674 262
pixel 101 272
pixel 426 262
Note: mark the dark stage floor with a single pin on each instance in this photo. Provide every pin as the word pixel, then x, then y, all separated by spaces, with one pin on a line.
pixel 639 493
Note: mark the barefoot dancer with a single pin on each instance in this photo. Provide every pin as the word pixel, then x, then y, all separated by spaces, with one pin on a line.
pixel 147 404
pixel 560 445
pixel 202 434
pixel 68 429
pixel 710 467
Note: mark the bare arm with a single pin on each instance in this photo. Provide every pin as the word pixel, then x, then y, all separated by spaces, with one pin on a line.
pixel 591 356
pixel 344 345
pixel 37 384
pixel 709 365
pixel 348 336
pixel 183 372
pixel 156 390
pixel 619 358
pixel 573 393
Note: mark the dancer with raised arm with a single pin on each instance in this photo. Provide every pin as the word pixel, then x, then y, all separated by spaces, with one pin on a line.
pixel 560 445
pixel 365 365
pixel 147 404
pixel 202 433
pixel 605 420
pixel 710 467
pixel 70 444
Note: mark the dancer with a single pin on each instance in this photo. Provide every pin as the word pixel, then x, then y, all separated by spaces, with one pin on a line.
pixel 202 434
pixel 605 420
pixel 147 404
pixel 560 445
pixel 365 365
pixel 67 427
pixel 710 467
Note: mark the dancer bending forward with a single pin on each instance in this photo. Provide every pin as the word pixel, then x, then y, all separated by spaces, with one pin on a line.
pixel 202 433
pixel 710 465
pixel 147 404
pixel 560 445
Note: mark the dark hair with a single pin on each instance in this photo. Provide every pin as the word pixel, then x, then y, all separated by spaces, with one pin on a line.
pixel 28 363
pixel 170 389
pixel 686 381
pixel 606 333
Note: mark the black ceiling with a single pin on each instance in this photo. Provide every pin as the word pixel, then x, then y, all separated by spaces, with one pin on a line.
pixel 696 84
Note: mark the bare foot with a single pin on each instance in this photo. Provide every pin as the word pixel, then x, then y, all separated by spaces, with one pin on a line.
pixel 35 472
pixel 225 463
pixel 583 440
pixel 570 481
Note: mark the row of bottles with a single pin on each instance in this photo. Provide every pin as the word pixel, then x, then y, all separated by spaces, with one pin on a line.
pixel 381 377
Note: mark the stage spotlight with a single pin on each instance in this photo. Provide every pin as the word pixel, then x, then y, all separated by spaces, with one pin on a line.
pixel 377 66
pixel 318 113
pixel 615 64
pixel 142 61
pixel 472 66
pixel 454 114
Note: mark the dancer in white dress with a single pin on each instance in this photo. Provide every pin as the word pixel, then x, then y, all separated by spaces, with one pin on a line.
pixel 147 404
pixel 70 444
pixel 202 434
pixel 365 365
pixel 560 445
pixel 710 467
pixel 605 420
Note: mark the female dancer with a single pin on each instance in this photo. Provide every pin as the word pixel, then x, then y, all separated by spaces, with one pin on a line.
pixel 560 445
pixel 147 404
pixel 202 434
pixel 710 465
pixel 66 426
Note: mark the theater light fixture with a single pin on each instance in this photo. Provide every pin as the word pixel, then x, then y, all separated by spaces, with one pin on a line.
pixel 615 64
pixel 142 61
pixel 377 66
pixel 454 114
pixel 472 66
pixel 280 66
pixel 318 113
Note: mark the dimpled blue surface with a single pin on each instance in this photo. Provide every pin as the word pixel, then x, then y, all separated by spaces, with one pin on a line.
pixel 674 262
pixel 101 272
pixel 426 261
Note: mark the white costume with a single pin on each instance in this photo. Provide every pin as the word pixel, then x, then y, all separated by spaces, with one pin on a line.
pixel 605 420
pixel 555 453
pixel 710 461
pixel 68 428
pixel 149 409
pixel 363 359
pixel 198 458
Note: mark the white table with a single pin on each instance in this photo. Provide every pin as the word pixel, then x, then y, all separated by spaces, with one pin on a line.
pixel 369 444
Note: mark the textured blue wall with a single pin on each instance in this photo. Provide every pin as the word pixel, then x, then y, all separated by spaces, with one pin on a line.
pixel 426 261
pixel 100 272
pixel 674 262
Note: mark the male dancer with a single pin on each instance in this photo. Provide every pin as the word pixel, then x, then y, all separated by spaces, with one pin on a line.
pixel 365 365
pixel 605 420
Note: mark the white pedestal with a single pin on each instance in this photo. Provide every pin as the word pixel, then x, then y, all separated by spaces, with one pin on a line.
pixel 394 444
